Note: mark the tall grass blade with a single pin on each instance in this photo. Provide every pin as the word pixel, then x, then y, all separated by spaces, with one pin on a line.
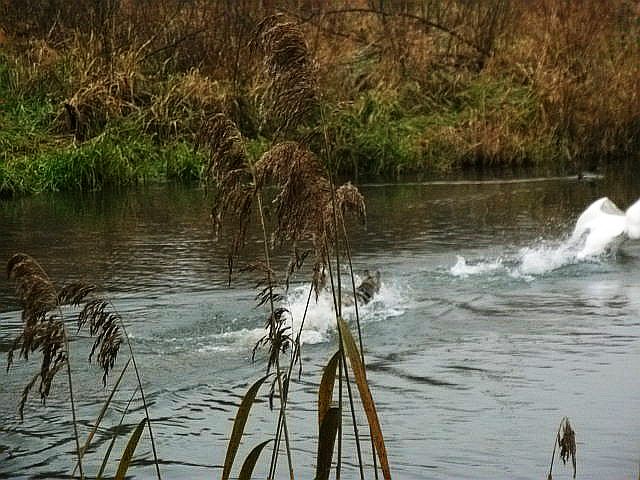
pixel 365 395
pixel 125 461
pixel 238 426
pixel 93 431
pixel 115 436
pixel 250 462
pixel 144 400
pixel 325 391
pixel 326 442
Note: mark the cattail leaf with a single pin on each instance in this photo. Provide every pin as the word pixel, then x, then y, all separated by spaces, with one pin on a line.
pixel 127 456
pixel 101 416
pixel 326 441
pixel 325 392
pixel 365 395
pixel 250 462
pixel 238 426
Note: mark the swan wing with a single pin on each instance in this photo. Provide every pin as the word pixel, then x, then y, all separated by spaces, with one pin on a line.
pixel 633 220
pixel 610 208
pixel 602 234
pixel 594 213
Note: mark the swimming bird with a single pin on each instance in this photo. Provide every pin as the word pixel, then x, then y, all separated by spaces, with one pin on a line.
pixel 603 226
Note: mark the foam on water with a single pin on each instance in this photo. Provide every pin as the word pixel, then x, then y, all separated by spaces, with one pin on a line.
pixel 464 269
pixel 319 322
pixel 529 262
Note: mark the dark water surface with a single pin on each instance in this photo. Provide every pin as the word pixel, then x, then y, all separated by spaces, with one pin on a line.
pixel 486 332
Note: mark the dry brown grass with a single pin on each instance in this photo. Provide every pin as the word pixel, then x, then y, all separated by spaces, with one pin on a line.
pixel 582 60
pixel 44 328
pixel 180 62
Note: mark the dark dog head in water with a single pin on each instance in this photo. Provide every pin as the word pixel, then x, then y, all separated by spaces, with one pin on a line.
pixel 369 286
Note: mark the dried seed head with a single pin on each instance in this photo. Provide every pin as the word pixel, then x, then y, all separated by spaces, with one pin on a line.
pixel 289 72
pixel 104 324
pixel 567 442
pixel 34 289
pixel 44 329
pixel 74 293
pixel 229 170
pixel 302 190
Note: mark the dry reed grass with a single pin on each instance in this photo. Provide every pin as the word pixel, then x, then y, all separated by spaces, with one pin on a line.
pixel 305 208
pixel 566 440
pixel 579 58
pixel 167 64
pixel 289 89
pixel 44 328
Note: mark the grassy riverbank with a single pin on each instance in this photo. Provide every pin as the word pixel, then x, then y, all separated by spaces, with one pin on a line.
pixel 116 97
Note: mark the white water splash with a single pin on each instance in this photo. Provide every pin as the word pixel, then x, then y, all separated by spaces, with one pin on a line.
pixel 320 320
pixel 529 262
pixel 463 269
pixel 546 257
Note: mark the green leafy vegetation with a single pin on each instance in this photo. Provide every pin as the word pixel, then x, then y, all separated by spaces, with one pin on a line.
pixel 404 87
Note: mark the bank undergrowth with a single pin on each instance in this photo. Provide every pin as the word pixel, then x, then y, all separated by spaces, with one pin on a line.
pixel 118 95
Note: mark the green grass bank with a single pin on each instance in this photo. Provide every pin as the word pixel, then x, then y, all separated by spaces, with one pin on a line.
pixel 405 87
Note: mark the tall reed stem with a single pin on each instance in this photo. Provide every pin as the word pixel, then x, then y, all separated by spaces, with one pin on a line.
pixel 342 363
pixel 267 260
pixel 73 406
pixel 144 401
pixel 296 354
pixel 353 285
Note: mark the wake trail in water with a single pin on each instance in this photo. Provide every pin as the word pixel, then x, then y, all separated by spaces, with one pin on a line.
pixel 528 262
pixel 319 323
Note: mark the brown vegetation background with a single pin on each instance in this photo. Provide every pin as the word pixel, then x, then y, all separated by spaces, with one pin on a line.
pixel 577 62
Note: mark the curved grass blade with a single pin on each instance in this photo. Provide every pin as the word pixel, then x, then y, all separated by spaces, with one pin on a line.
pixel 365 395
pixel 115 436
pixel 238 426
pixel 83 450
pixel 125 461
pixel 325 391
pixel 326 442
pixel 250 462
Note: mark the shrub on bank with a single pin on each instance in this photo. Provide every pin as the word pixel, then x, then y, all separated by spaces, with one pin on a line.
pixel 405 86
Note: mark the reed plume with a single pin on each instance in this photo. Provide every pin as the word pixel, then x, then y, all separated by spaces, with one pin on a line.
pixel 44 324
pixel 230 172
pixel 566 440
pixel 41 330
pixel 104 325
pixel 289 95
pixel 302 190
pixel 305 209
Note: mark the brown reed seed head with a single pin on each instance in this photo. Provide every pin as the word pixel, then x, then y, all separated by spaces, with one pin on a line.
pixel 289 75
pixel 278 337
pixel 302 190
pixel 43 328
pixel 34 289
pixel 74 293
pixel 348 200
pixel 304 208
pixel 229 170
pixel 567 442
pixel 104 325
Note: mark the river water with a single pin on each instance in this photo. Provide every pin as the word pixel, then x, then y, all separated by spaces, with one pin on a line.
pixel 486 332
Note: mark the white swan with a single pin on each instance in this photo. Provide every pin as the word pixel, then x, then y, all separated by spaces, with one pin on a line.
pixel 604 227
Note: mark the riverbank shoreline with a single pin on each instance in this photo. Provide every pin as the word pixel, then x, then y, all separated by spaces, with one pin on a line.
pixel 82 108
